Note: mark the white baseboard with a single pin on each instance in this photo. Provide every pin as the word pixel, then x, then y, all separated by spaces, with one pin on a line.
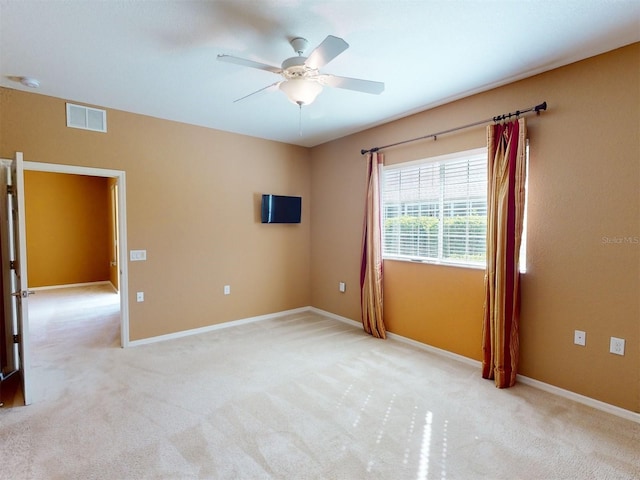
pixel 333 316
pixel 576 397
pixel 400 338
pixel 72 285
pixel 217 326
pixel 438 351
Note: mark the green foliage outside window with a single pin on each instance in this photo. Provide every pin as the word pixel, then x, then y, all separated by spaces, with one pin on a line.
pixel 465 234
pixel 463 237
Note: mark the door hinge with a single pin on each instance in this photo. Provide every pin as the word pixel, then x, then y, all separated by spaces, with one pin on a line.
pixel 12 265
pixel 16 339
pixel 11 189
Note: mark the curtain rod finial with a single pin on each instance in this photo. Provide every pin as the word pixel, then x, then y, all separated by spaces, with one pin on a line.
pixel 542 106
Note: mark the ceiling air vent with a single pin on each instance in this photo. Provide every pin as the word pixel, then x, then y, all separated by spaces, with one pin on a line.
pixel 86 118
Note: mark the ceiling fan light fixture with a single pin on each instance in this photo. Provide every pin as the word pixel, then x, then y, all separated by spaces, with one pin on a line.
pixel 301 91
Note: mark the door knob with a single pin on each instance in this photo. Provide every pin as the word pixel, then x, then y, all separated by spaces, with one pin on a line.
pixel 23 293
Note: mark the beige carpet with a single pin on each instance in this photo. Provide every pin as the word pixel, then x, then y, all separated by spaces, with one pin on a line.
pixel 299 397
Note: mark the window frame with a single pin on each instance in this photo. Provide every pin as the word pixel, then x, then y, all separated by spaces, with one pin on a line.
pixel 440 159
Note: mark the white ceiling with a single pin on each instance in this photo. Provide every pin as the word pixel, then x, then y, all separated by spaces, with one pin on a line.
pixel 159 57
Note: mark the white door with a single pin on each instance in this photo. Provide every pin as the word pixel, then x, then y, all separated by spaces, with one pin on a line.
pixel 14 264
pixel 10 358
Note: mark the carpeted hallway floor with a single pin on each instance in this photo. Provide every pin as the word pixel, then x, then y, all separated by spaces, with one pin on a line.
pixel 298 397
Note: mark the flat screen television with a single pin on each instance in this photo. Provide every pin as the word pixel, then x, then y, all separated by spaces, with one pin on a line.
pixel 281 209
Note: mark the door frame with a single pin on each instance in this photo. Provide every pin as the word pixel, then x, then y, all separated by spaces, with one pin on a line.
pixel 119 175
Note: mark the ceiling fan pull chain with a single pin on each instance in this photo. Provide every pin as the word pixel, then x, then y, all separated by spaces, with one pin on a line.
pixel 300 119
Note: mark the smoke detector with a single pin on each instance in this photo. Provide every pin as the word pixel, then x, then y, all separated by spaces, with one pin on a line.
pixel 30 82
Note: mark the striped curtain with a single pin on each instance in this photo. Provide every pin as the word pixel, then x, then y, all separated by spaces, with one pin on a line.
pixel 505 212
pixel 371 265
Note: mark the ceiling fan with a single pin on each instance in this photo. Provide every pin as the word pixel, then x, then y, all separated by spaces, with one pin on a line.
pixel 301 78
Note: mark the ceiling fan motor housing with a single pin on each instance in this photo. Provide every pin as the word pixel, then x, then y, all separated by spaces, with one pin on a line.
pixel 295 67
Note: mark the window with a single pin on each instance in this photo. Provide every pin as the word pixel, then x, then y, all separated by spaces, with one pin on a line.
pixel 436 210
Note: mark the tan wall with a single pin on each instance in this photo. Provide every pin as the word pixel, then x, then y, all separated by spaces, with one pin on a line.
pixel 67 229
pixel 192 202
pixel 584 186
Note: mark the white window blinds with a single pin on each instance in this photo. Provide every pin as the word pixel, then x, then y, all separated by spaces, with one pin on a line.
pixel 437 210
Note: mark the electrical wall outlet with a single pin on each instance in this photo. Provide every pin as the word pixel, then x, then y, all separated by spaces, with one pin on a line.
pixel 342 287
pixel 616 346
pixel 140 296
pixel 227 289
pixel 580 337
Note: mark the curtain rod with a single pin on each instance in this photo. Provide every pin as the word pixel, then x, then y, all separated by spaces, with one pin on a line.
pixel 497 118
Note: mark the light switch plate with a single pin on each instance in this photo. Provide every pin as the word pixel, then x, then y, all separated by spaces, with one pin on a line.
pixel 137 255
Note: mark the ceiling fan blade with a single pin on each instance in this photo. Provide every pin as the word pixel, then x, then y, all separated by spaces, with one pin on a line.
pixel 259 91
pixel 248 63
pixel 329 49
pixel 366 86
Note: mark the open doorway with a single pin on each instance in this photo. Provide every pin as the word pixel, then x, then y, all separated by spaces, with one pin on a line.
pixel 116 181
pixel 116 233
